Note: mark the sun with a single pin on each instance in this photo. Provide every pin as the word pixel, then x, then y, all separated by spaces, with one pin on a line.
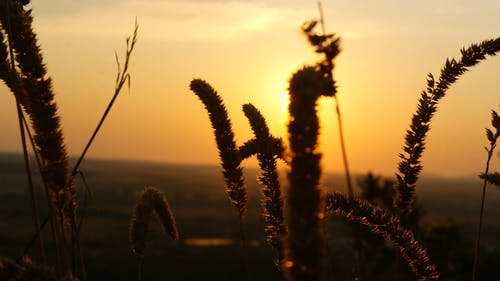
pixel 283 98
pixel 283 101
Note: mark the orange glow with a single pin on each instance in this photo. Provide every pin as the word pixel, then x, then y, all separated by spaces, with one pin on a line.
pixel 249 57
pixel 284 101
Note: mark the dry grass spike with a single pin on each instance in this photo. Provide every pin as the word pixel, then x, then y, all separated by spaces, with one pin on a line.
pixel 150 200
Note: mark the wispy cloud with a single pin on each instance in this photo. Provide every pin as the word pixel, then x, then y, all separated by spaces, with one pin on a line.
pixel 166 20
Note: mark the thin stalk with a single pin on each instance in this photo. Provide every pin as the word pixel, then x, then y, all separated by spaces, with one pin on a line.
pixel 27 167
pixel 339 120
pixel 18 94
pixel 122 77
pixel 25 150
pixel 33 239
pixel 244 246
pixel 321 17
pixel 347 173
pixel 76 246
pixel 108 109
pixel 50 208
pixel 63 255
pixel 79 226
pixel 88 193
pixel 344 150
pixel 483 199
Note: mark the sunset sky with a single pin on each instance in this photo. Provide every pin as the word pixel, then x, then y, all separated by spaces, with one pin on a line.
pixel 248 50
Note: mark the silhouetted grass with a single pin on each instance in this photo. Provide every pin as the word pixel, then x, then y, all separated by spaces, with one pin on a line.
pixel 294 217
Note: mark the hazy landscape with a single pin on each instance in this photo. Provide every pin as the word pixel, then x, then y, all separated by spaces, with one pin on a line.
pixel 70 210
pixel 208 226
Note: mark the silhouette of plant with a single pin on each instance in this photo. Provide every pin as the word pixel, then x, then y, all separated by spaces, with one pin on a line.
pixel 268 149
pixel 389 227
pixel 294 222
pixel 150 200
pixel 305 240
pixel 30 84
pixel 24 72
pixel 410 166
pixel 27 270
pixel 487 177
pixel 224 136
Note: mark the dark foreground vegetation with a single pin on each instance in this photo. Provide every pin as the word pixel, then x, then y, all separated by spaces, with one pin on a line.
pixel 209 243
pixel 302 231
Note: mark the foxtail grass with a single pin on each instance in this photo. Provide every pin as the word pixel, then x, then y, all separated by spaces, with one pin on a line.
pixel 151 200
pixel 37 99
pixel 268 149
pixel 327 45
pixel 28 80
pixel 389 227
pixel 305 239
pixel 228 153
pixel 226 144
pixel 8 70
pixel 410 166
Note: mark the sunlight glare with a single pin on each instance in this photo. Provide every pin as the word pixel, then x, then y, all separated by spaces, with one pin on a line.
pixel 283 101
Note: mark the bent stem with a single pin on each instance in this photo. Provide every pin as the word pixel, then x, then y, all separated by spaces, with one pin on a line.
pixel 389 227
pixel 121 77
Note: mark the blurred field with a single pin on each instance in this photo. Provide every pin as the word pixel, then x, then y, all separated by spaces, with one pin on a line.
pixel 208 226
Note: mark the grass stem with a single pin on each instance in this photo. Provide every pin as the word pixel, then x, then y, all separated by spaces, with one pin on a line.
pixel 25 150
pixel 27 167
pixel 122 77
pixel 492 138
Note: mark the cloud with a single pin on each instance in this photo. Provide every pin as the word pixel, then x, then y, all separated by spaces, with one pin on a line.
pixel 214 20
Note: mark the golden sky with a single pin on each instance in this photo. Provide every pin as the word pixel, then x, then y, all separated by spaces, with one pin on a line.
pixel 247 50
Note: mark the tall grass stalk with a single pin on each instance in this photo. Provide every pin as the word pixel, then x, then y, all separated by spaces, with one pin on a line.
pixel 226 144
pixel 33 89
pixel 492 138
pixel 38 99
pixel 122 77
pixel 268 149
pixel 51 216
pixel 317 40
pixel 305 241
pixel 27 165
pixel 228 153
pixel 410 167
pixel 347 172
